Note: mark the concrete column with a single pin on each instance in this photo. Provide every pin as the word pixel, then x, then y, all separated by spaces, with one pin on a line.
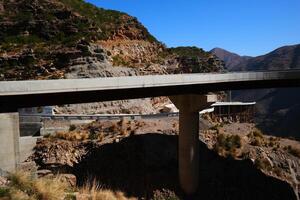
pixel 9 141
pixel 188 144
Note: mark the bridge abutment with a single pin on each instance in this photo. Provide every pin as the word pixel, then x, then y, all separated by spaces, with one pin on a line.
pixel 9 141
pixel 188 144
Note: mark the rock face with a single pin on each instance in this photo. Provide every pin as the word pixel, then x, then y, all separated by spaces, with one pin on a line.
pixel 277 109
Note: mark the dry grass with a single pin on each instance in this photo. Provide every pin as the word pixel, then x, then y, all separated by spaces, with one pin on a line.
pixel 50 188
pixel 23 186
pixel 94 192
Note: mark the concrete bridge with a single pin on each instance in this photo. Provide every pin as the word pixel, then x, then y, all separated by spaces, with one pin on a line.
pixel 187 91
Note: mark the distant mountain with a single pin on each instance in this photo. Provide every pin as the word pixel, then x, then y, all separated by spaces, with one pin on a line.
pixel 286 57
pixel 278 110
pixel 232 60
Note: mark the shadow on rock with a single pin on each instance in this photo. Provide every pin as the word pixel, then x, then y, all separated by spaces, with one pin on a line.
pixel 141 164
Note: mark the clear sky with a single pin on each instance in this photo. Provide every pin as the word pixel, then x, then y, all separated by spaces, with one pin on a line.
pixel 246 27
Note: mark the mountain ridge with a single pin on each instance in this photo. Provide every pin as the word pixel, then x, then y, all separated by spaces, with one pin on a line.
pixel 277 109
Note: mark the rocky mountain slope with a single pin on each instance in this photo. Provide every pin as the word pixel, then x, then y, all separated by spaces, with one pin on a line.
pixel 41 38
pixel 53 39
pixel 278 109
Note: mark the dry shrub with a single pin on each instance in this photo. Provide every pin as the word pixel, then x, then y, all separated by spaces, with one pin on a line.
pixel 124 126
pixel 72 135
pixel 72 127
pixel 124 132
pixel 114 128
pixel 227 144
pixel 123 122
pixel 257 141
pixel 258 133
pixel 21 180
pixel 100 136
pixel 60 135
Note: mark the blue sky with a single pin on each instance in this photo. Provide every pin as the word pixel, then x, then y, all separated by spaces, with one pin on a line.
pixel 246 27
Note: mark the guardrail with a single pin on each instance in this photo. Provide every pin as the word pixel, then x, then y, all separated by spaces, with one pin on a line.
pixel 97 116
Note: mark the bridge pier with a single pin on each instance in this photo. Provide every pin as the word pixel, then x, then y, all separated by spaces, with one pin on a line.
pixel 188 144
pixel 9 141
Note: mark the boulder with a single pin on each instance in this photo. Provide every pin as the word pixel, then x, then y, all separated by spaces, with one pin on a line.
pixel 3 181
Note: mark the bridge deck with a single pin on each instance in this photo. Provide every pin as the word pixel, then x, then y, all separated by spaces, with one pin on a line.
pixel 16 94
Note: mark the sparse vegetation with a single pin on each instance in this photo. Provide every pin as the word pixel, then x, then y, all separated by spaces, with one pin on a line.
pixel 227 144
pixel 24 186
pixel 257 138
pixel 196 60
pixel 95 192
pixel 107 20
pixel 192 52
pixel 96 131
pixel 119 61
